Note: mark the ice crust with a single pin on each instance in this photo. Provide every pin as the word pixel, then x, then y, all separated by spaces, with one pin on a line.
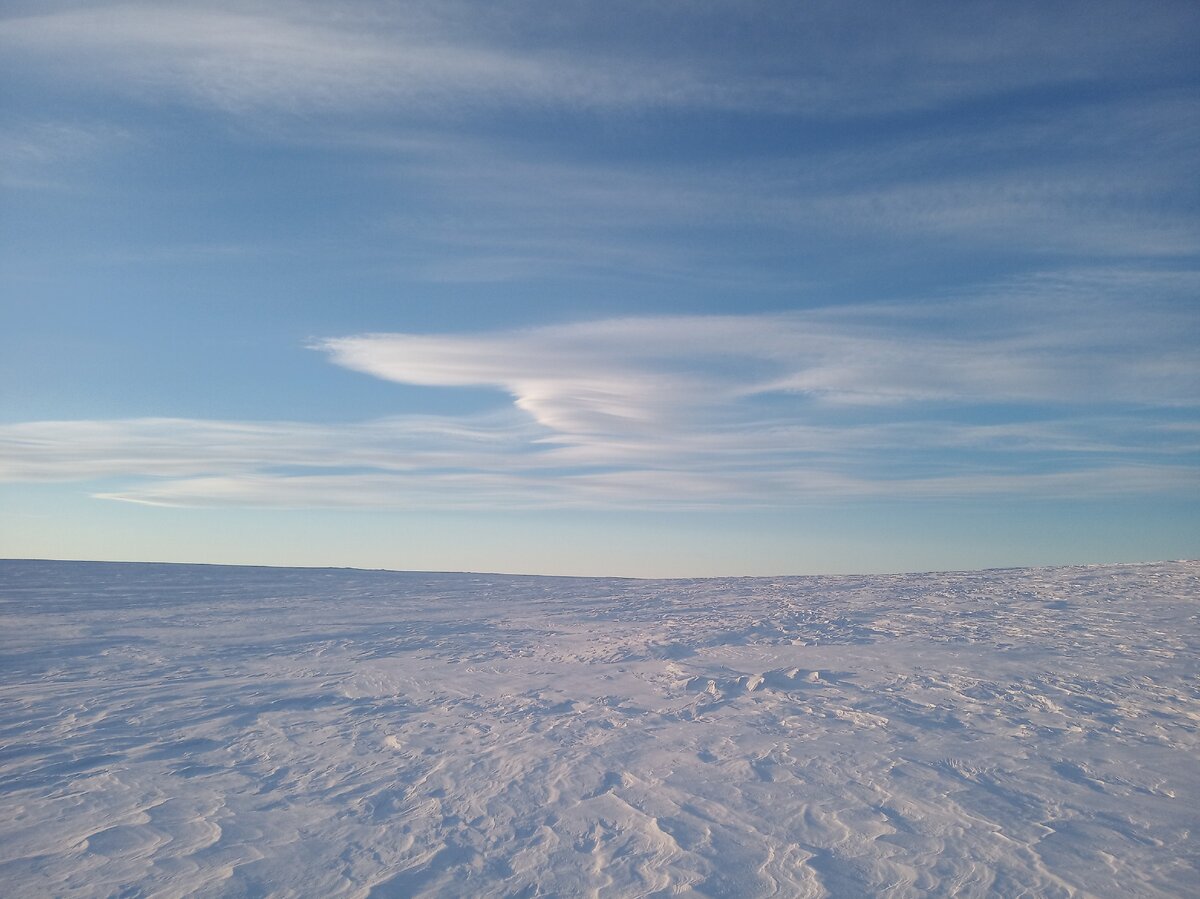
pixel 170 730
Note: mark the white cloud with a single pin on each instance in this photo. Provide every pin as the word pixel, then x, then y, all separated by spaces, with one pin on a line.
pixel 476 196
pixel 639 489
pixel 295 57
pixel 656 372
pixel 445 56
pixel 173 447
pixel 1021 188
pixel 42 154
pixel 871 400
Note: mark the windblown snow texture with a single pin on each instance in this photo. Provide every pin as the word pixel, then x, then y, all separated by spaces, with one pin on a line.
pixel 210 731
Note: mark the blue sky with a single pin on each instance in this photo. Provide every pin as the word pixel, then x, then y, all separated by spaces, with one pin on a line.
pixel 600 288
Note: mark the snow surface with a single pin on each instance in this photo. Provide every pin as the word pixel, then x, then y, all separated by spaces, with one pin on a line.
pixel 176 730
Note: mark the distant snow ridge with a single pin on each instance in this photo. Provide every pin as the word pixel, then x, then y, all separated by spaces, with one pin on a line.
pixel 207 731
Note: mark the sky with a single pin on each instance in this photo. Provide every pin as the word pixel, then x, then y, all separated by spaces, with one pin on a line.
pixel 647 289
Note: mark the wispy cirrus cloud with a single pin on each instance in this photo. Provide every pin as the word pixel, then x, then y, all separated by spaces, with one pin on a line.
pixel 446 56
pixel 37 154
pixel 298 57
pixel 1030 187
pixel 445 94
pixel 173 447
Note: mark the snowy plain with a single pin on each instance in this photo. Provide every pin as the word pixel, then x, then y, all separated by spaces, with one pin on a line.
pixel 171 730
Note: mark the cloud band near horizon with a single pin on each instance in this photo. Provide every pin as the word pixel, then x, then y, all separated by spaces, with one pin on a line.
pixel 1085 398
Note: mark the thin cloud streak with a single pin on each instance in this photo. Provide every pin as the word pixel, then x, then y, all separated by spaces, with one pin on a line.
pixel 172 447
pixel 639 489
pixel 291 59
pixel 1023 186
pixel 509 443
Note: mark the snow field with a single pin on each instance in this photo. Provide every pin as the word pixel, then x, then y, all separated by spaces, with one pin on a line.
pixel 208 731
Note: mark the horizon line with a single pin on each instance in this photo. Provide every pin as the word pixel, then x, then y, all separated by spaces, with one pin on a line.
pixel 613 577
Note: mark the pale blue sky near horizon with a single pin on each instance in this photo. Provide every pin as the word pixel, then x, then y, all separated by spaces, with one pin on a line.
pixel 605 289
